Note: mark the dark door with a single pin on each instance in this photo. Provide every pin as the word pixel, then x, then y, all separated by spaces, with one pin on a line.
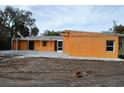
pixel 55 46
pixel 31 45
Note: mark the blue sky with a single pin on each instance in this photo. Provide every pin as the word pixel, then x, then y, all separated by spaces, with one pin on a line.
pixel 81 17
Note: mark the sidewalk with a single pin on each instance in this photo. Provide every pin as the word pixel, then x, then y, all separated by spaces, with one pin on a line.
pixel 23 54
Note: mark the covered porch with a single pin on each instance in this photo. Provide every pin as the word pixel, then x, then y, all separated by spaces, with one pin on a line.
pixel 41 43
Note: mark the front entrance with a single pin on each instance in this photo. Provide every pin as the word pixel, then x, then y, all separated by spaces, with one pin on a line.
pixel 31 45
pixel 59 46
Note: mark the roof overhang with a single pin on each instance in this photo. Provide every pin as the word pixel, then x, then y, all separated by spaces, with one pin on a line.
pixel 53 38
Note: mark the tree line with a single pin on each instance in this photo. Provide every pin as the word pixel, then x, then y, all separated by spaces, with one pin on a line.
pixel 115 29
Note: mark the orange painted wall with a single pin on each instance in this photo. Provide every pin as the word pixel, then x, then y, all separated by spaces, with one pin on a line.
pixel 39 46
pixel 22 45
pixel 14 45
pixel 89 44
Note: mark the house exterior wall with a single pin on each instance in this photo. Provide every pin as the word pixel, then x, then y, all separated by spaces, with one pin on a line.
pixel 38 45
pixel 14 45
pixel 89 44
pixel 22 45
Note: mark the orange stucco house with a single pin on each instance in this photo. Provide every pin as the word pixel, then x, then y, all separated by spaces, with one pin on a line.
pixel 75 43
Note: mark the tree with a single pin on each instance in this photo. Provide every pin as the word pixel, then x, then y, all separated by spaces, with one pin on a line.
pixel 117 29
pixel 5 41
pixel 34 31
pixel 14 20
pixel 52 33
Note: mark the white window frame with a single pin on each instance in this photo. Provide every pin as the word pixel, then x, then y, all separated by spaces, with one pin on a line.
pixel 110 46
pixel 58 47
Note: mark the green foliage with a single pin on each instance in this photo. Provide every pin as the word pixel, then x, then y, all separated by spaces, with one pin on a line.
pixel 13 20
pixel 34 31
pixel 116 29
pixel 52 33
pixel 119 29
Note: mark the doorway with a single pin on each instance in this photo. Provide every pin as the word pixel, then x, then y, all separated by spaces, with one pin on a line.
pixel 59 46
pixel 31 45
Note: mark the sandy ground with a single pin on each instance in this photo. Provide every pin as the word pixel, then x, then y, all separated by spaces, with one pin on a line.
pixel 51 72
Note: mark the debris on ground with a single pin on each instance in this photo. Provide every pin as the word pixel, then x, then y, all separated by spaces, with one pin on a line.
pixel 78 74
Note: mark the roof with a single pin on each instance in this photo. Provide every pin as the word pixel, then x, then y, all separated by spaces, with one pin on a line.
pixel 120 35
pixel 98 33
pixel 42 38
pixel 54 38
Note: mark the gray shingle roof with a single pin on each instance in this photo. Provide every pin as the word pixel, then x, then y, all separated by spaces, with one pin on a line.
pixel 42 38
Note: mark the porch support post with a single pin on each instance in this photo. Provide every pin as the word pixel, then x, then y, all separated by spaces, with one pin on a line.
pixel 40 44
pixel 49 44
pixel 12 44
pixel 17 44
pixel 28 45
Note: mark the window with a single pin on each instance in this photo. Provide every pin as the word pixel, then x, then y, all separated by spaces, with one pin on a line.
pixel 110 45
pixel 44 43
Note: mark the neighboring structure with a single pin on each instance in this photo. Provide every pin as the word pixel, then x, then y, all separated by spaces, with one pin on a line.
pixel 75 43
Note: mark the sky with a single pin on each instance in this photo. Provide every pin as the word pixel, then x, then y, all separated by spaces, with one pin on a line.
pixel 91 18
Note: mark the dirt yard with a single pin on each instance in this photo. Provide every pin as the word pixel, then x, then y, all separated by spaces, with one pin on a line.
pixel 46 72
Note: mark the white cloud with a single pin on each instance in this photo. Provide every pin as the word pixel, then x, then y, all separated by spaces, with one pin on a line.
pixel 83 18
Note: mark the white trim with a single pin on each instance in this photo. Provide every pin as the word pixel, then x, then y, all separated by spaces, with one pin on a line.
pixel 62 46
pixel 111 46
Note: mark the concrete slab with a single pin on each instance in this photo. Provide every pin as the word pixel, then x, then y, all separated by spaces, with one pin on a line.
pixel 23 54
pixel 95 58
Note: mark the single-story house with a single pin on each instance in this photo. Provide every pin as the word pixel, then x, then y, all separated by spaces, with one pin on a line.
pixel 75 43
